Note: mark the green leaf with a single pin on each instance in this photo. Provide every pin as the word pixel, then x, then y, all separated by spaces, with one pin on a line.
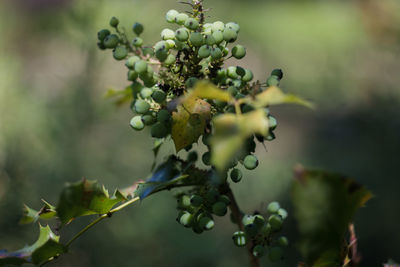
pixel 30 215
pixel 231 131
pixel 274 96
pixel 121 96
pixel 46 247
pixel 85 198
pixel 206 90
pixel 325 204
pixel 156 148
pixel 189 122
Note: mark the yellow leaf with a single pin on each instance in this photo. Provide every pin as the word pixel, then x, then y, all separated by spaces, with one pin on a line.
pixel 274 96
pixel 209 91
pixel 189 121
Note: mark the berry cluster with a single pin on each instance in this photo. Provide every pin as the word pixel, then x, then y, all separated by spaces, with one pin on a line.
pixel 261 232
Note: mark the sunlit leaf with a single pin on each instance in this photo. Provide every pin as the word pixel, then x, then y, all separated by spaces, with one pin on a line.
pixel 120 96
pixel 205 90
pixel 30 215
pixel 231 131
pixel 274 96
pixel 85 198
pixel 324 205
pixel 189 122
pixel 46 247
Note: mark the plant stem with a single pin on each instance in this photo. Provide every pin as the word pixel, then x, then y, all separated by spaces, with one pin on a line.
pixel 237 216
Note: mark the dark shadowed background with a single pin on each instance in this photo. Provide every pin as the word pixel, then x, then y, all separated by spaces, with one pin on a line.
pixel 56 127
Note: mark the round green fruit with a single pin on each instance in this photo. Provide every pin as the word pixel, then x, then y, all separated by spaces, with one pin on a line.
pixel 182 34
pixel 167 34
pixel 236 175
pixel 137 123
pixel 238 51
pixel 191 23
pixel 250 162
pixel 275 221
pixel 229 35
pixel 196 39
pixel 181 18
pixel 219 208
pixel 159 96
pixel 141 106
pixel 273 207
pixel 204 51
pixel 163 116
pixel 114 22
pixel 137 28
pixel 171 15
pixel 120 52
pixel 102 34
pixel 140 66
pixel 111 41
pixel 159 130
pixel 239 238
pixel 258 251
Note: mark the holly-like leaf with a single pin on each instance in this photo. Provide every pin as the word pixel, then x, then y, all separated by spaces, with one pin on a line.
pixel 189 121
pixel 206 90
pixel 324 205
pixel 274 96
pixel 85 198
pixel 31 216
pixel 231 131
pixel 46 247
pixel 121 96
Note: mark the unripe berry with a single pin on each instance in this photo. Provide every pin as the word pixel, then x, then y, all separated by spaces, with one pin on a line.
pixel 196 39
pixel 161 55
pixel 192 156
pixel 218 26
pixel 141 106
pixel 159 96
pixel 275 221
pixel 278 73
pixel 171 15
pixel 120 52
pixel 251 229
pixel 102 34
pixel 206 223
pixel 266 230
pixel 182 34
pixel 258 251
pixel 216 53
pixel 207 28
pixel 138 28
pixel 231 71
pixel 206 139
pixel 211 195
pixel 167 34
pixel 147 51
pixel 111 41
pixel 259 221
pixel 283 213
pixel 159 130
pixel 181 18
pixel 169 60
pixel 204 51
pixel 101 46
pixel 191 81
pixel 248 76
pixel 275 254
pixel 132 75
pixel 219 208
pixel 283 241
pixel 238 51
pixel 191 23
pixel 148 119
pixel 163 116
pixel 114 22
pixel 250 162
pixel 137 123
pixel 239 239
pixel 218 36
pixel 209 39
pixel 247 219
pixel 170 44
pixel 186 219
pixel 225 51
pixel 206 158
pixel 161 45
pixel 130 62
pixel 240 71
pixel 229 35
pixel 140 66
pixel 146 92
pixel 236 175
pixel 225 199
pixel 273 80
pixel 196 200
pixel 273 207
pixel 232 90
pixel 233 26
pixel 137 42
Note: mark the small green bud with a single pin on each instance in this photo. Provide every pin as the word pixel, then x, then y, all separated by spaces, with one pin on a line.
pixel 114 22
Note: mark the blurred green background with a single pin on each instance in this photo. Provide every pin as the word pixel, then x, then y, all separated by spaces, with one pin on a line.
pixel 55 125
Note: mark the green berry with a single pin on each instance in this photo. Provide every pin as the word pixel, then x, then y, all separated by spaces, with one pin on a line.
pixel 181 18
pixel 138 28
pixel 247 219
pixel 186 219
pixel 207 28
pixel 206 223
pixel 161 55
pixel 216 53
pixel 170 43
pixel 169 60
pixel 167 34
pixel 236 175
pixel 211 195
pixel 132 75
pixel 272 123
pixel 259 221
pixel 161 45
pixel 146 92
pixel 251 229
pixel 283 213
pixel 275 254
pixel 114 22
pixel 159 96
pixel 258 251
pixel 266 230
pixel 120 52
pixel 147 51
pixel 101 46
pixel 218 26
pixel 225 199
pixel 248 76
pixel 229 35
pixel 171 15
pixel 218 36
pixel 239 239
pixel 250 162
pixel 209 39
pixel 225 51
pixel 206 139
pixel 182 34
pixel 141 106
pixel 278 73
pixel 192 156
pixel 273 207
pixel 196 200
pixel 137 123
pixel 283 241
pixel 191 23
pixel 190 82
pixel 232 90
pixel 130 62
pixel 140 66
pixel 238 51
pixel 273 80
pixel 111 41
pixel 219 208
pixel 137 42
pixel 148 119
pixel 204 51
pixel 206 158
pixel 240 71
pixel 275 221
pixel 163 116
pixel 233 26
pixel 196 39
pixel 231 71
pixel 159 130
pixel 102 34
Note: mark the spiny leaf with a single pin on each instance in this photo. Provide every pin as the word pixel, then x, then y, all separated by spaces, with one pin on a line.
pixel 189 122
pixel 325 204
pixel 231 132
pixel 46 247
pixel 274 96
pixel 85 198
pixel 30 215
